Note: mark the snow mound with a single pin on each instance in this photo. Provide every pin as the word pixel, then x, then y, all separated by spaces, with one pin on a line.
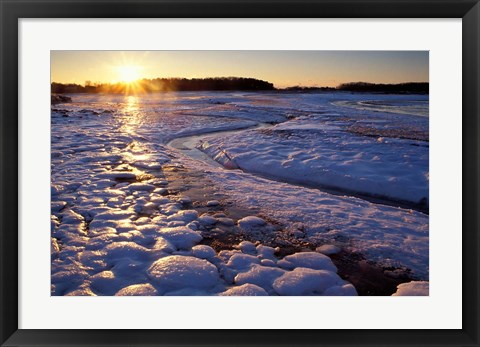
pixel 268 262
pixel 184 216
pixel 54 247
pixel 303 281
pixel 126 250
pixel 245 290
pixel 161 244
pixel 207 220
pixel 414 288
pixel 247 247
pixel 242 261
pixel 81 292
pixel 56 206
pixel 260 276
pixel 103 238
pixel 328 249
pixel 67 279
pixel 203 252
pixel 179 272
pixel 181 237
pixel 138 290
pixel 266 252
pixel 105 283
pixel 311 260
pixel 251 223
pixel 219 155
pixel 135 187
pixel 114 215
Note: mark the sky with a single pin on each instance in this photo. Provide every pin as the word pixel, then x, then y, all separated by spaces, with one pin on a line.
pixel 282 68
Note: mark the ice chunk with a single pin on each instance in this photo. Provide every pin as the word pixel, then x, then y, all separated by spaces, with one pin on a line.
pixel 311 260
pixel 94 260
pixel 105 237
pixel 303 281
pixel 413 288
pixel 159 200
pixel 181 237
pixel 251 224
pixel 245 290
pixel 160 191
pixel 328 249
pixel 268 262
pixel 266 252
pixel 140 187
pixel 56 189
pixel 207 220
pixel 145 289
pixel 175 223
pixel 193 225
pixel 105 283
pixel 179 272
pixel 203 251
pixel 71 217
pixel 133 271
pixel 67 279
pixel 247 247
pixel 143 221
pixel 54 248
pixel 147 208
pixel 161 244
pixel 184 216
pixel 124 249
pixel 114 215
pixel 56 206
pixel 185 200
pixel 260 276
pixel 81 292
pixel 242 261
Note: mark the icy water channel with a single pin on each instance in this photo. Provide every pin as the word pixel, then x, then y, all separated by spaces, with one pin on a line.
pixel 147 198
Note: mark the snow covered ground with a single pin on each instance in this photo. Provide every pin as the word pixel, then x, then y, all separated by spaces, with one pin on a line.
pixel 120 228
pixel 378 154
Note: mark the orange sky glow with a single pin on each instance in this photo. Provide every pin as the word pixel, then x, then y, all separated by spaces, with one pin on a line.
pixel 282 68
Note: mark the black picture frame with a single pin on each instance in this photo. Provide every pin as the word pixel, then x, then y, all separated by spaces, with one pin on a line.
pixel 12 11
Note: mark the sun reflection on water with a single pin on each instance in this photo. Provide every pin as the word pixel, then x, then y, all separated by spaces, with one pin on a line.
pixel 131 114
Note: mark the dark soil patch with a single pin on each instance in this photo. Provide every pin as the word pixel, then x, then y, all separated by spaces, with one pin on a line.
pixel 400 133
pixel 368 278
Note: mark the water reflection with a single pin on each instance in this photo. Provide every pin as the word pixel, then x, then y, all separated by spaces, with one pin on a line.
pixel 131 115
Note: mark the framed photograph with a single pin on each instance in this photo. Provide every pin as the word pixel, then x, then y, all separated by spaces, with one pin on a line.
pixel 239 173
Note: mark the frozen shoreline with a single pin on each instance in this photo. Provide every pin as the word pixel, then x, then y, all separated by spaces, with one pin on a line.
pixel 120 226
pixel 194 147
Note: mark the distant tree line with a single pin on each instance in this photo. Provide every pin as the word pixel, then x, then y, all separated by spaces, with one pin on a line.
pixel 166 84
pixel 411 87
pixel 225 84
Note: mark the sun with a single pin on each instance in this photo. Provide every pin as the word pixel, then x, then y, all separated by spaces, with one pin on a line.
pixel 128 73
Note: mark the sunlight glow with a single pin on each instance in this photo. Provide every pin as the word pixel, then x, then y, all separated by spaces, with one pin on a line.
pixel 128 73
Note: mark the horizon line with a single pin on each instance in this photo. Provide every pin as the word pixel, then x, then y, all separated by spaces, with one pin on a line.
pixel 97 83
